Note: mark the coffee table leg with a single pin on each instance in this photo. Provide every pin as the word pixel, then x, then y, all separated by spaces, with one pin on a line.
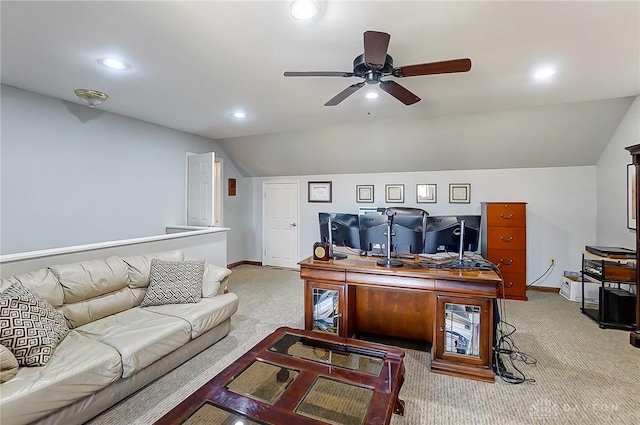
pixel 398 408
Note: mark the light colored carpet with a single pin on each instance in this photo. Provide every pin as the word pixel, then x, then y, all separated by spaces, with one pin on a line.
pixel 583 375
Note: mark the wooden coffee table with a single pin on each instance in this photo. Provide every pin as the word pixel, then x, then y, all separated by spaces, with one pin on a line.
pixel 301 377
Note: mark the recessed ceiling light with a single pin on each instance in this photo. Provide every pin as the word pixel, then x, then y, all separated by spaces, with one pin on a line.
pixel 371 95
pixel 239 114
pixel 543 73
pixel 113 63
pixel 303 9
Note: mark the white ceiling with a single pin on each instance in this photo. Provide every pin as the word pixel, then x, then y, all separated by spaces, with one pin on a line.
pixel 194 63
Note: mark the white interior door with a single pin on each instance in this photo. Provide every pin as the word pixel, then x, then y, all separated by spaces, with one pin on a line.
pixel 281 235
pixel 200 189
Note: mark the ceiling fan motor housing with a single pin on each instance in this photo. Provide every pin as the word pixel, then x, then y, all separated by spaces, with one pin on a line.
pixel 360 67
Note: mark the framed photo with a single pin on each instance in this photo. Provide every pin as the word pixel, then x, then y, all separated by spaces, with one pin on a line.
pixel 394 193
pixel 459 193
pixel 426 193
pixel 319 191
pixel 231 187
pixel 632 193
pixel 364 193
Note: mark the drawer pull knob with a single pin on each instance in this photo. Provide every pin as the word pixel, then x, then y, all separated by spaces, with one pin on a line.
pixel 509 239
pixel 506 217
pixel 508 285
pixel 506 263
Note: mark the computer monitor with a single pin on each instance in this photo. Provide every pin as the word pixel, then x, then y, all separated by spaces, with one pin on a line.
pixel 373 233
pixel 407 233
pixel 443 233
pixel 345 230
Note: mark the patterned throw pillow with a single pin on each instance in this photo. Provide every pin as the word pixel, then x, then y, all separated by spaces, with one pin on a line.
pixel 174 282
pixel 29 326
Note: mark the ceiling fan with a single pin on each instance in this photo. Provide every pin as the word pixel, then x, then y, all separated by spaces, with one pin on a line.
pixel 375 63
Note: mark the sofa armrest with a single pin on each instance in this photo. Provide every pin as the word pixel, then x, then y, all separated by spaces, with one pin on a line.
pixel 214 281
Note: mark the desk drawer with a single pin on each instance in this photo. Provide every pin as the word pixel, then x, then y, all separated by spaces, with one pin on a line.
pixel 507 238
pixel 506 215
pixel 508 260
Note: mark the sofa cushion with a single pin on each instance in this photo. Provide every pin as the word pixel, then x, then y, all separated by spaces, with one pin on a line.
pixel 141 337
pixel 8 364
pixel 83 312
pixel 203 316
pixel 42 282
pixel 29 326
pixel 79 367
pixel 140 266
pixel 88 279
pixel 174 282
pixel 213 275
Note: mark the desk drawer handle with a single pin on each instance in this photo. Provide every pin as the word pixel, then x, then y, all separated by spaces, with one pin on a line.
pixel 508 285
pixel 506 263
pixel 503 239
pixel 506 217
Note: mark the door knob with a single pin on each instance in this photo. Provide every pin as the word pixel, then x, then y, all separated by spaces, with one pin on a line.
pixel 292 224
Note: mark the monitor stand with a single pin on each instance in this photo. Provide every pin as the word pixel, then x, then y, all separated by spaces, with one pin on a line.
pixel 389 262
pixel 334 255
pixel 460 262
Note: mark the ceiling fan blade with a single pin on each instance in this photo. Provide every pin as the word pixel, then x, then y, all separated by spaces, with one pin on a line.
pixel 375 48
pixel 399 92
pixel 344 94
pixel 444 67
pixel 318 74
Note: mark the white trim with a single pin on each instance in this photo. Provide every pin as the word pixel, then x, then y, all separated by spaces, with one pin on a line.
pixel 90 247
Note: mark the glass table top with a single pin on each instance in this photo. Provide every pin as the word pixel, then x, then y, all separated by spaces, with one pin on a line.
pixel 208 414
pixel 263 381
pixel 365 361
pixel 336 402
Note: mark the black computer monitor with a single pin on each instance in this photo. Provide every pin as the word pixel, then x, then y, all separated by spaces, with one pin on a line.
pixel 443 233
pixel 407 233
pixel 345 230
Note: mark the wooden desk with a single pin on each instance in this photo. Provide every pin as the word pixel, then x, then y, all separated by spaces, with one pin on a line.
pixel 411 302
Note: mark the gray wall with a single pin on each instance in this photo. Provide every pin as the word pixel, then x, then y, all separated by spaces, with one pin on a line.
pixel 612 182
pixel 561 207
pixel 73 175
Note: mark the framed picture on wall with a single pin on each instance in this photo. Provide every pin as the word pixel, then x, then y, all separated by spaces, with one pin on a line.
pixel 426 193
pixel 319 191
pixel 459 193
pixel 394 193
pixel 632 193
pixel 364 193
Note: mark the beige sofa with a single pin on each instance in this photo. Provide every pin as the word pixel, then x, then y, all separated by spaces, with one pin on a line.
pixel 114 346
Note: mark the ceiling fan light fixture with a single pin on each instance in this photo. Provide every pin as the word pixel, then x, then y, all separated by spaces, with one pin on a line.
pixel 303 9
pixel 239 114
pixel 372 95
pixel 91 98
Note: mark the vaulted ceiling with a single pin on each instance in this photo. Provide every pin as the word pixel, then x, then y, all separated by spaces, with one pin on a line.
pixel 192 64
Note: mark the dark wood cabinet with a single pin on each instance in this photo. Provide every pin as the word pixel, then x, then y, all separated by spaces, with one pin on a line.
pixel 634 337
pixel 503 238
pixel 462 337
